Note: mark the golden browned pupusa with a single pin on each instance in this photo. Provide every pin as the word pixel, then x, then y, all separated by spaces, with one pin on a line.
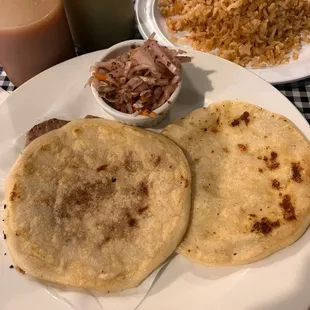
pixel 251 182
pixel 96 204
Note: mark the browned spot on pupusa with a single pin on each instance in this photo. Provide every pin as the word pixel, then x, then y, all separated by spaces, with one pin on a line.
pixel 103 242
pixel 120 229
pixel 78 131
pixel 235 122
pixel 243 117
pixel 75 202
pixel 252 215
pixel 225 149
pixel 140 194
pixel 265 226
pixel 206 187
pixel 101 168
pixel 271 162
pixel 287 208
pixel 131 164
pixel 184 181
pixel 156 159
pixel 296 172
pixel 45 147
pixel 275 184
pixel 260 170
pixel 215 128
pixel 133 209
pixel 142 189
pixel 29 168
pixel 127 220
pixel 73 165
pixel 142 210
pixel 112 168
pixel 243 148
pixel 18 269
pixel 13 194
pixel 132 222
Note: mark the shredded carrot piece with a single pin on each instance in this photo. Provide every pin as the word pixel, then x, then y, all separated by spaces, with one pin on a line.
pixel 100 76
pixel 146 112
pixel 145 99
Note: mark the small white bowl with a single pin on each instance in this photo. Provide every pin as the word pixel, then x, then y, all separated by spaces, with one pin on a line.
pixel 138 120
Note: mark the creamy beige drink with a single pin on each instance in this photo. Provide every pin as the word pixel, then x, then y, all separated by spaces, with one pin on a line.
pixel 34 35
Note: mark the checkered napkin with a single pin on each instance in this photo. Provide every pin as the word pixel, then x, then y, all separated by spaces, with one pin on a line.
pixel 299 94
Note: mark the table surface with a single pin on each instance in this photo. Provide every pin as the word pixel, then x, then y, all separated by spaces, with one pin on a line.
pixel 297 92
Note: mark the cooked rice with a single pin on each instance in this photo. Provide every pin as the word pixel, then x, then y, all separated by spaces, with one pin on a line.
pixel 248 32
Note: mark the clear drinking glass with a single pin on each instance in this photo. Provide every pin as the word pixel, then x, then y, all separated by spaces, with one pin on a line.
pixel 98 24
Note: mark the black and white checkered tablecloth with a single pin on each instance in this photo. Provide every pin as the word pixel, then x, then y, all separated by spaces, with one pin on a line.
pixel 297 92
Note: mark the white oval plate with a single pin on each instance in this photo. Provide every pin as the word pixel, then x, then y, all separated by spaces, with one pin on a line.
pixel 149 20
pixel 281 281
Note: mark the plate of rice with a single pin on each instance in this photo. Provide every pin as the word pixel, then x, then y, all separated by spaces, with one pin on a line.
pixel 269 37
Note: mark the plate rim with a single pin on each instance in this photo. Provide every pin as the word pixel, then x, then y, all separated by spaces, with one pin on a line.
pixel 264 73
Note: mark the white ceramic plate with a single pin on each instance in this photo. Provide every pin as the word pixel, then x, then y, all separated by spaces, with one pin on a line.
pixel 149 20
pixel 281 281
